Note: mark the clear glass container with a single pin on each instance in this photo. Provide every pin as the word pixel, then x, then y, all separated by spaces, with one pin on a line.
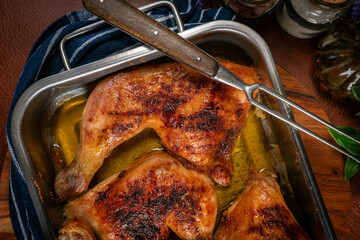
pixel 308 18
pixel 252 9
pixel 337 64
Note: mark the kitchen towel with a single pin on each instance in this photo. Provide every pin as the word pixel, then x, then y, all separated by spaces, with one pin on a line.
pixel 44 60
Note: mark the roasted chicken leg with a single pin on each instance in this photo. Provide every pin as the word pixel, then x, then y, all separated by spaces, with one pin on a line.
pixel 142 202
pixel 196 118
pixel 261 213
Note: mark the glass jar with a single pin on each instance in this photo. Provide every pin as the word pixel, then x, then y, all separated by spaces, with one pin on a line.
pixel 337 64
pixel 252 9
pixel 308 18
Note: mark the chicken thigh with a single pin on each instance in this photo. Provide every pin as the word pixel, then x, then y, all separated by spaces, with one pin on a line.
pixel 196 118
pixel 145 200
pixel 261 213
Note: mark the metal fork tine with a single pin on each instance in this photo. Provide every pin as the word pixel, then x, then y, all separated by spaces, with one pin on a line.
pixel 252 88
pixel 225 76
pixel 303 110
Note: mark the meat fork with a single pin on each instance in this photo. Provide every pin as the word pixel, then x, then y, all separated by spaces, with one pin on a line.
pixel 128 18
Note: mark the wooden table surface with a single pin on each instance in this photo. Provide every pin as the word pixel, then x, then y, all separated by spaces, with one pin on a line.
pixel 21 22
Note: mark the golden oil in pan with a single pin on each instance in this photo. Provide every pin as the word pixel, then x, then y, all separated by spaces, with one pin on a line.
pixel 250 153
pixel 122 156
pixel 63 132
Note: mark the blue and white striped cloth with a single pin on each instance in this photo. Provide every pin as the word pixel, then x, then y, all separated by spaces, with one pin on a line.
pixel 44 60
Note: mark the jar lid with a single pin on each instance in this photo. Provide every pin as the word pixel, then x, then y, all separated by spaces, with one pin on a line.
pixel 333 4
pixel 256 1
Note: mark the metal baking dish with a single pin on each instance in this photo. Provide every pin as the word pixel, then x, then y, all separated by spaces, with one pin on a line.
pixel 217 38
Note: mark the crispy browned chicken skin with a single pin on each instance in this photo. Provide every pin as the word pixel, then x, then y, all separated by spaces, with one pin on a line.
pixel 261 213
pixel 196 118
pixel 142 202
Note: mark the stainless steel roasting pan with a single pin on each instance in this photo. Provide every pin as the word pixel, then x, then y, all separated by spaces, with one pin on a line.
pixel 221 38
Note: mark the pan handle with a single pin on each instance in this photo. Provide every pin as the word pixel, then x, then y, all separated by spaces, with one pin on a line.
pixel 128 18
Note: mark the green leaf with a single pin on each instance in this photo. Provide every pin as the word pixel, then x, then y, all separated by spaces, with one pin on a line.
pixel 351 168
pixel 350 145
pixel 358 114
pixel 356 91
pixel 348 130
